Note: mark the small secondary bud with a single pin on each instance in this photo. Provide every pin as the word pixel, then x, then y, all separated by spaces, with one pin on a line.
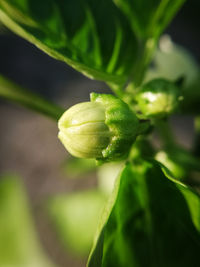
pixel 158 98
pixel 104 128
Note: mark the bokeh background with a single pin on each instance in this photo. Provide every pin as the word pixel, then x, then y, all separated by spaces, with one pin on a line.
pixel 28 141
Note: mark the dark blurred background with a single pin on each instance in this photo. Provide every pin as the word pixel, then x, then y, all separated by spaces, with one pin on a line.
pixel 28 141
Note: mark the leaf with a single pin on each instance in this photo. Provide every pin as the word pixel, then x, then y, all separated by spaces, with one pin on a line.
pixel 15 93
pixel 172 61
pixel 19 245
pixel 91 36
pixel 97 38
pixel 107 175
pixel 152 220
pixel 75 217
pixel 179 161
pixel 149 18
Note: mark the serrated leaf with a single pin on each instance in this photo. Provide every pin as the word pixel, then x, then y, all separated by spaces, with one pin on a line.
pixel 153 221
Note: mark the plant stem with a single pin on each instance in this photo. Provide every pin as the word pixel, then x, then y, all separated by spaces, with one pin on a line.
pixel 145 52
pixel 117 89
pixel 15 93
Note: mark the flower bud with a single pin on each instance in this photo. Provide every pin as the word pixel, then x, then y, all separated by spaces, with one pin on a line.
pixel 104 128
pixel 158 98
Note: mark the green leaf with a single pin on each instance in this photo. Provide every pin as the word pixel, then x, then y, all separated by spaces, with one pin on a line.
pixel 179 161
pixel 15 93
pixel 172 61
pixel 75 217
pixel 107 175
pixel 91 36
pixel 151 220
pixel 149 18
pixel 19 245
pixel 102 39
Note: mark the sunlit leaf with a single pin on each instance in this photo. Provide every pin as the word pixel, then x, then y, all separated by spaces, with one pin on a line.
pixel 91 36
pixel 152 220
pixel 102 39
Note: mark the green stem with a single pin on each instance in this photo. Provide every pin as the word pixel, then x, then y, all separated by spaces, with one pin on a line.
pixel 117 89
pixel 15 93
pixel 147 47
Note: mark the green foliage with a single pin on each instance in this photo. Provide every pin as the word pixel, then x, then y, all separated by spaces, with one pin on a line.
pixel 179 161
pixel 19 245
pixel 171 62
pixel 75 217
pixel 107 174
pixel 102 39
pixel 151 220
pixel 149 18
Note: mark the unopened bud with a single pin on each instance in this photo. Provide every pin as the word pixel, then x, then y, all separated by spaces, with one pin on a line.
pixel 104 128
pixel 158 98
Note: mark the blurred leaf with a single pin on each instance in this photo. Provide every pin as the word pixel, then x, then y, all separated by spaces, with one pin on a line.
pixel 15 93
pixel 76 167
pixel 94 37
pixel 19 246
pixel 107 174
pixel 151 220
pixel 172 61
pixel 75 217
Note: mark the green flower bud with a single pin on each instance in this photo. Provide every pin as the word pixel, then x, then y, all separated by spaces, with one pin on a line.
pixel 158 98
pixel 104 128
